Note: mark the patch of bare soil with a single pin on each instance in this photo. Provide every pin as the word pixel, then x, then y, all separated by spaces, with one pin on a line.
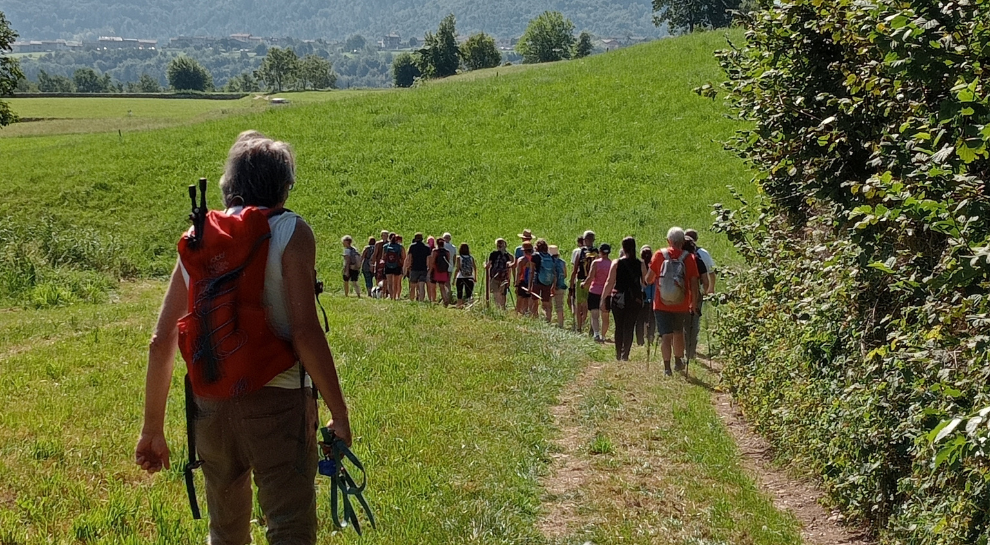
pixel 819 527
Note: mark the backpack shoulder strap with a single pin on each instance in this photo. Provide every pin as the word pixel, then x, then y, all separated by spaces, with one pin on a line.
pixel 683 256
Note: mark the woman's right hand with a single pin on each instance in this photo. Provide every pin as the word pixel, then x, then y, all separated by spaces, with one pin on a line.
pixel 152 452
pixel 341 427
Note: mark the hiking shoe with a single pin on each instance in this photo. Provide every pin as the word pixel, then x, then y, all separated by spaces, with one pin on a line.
pixel 679 365
pixel 666 369
pixel 598 339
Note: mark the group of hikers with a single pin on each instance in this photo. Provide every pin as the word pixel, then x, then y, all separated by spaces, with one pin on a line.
pixel 240 307
pixel 542 283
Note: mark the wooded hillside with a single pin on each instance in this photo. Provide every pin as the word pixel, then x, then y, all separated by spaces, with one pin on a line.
pixel 335 19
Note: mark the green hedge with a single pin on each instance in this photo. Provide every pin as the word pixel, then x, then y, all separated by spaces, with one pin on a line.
pixel 858 337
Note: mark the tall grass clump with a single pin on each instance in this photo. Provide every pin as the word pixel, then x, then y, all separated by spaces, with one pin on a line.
pixel 49 263
pixel 857 338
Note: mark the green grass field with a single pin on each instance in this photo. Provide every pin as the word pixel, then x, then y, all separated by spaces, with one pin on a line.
pixel 45 116
pixel 451 410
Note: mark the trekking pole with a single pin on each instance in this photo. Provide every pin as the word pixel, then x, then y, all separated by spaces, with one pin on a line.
pixel 708 338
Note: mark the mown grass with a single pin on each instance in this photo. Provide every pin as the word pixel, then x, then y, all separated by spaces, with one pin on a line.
pixel 46 116
pixel 617 143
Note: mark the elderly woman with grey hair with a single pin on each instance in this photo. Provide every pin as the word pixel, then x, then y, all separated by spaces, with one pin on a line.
pixel 251 431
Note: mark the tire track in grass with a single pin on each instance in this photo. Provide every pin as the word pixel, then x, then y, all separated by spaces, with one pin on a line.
pixel 645 459
pixel 800 497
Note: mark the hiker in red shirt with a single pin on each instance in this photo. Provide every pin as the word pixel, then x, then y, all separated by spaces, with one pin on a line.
pixel 675 273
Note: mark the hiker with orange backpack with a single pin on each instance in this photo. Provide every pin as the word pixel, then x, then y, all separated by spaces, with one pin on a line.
pixel 240 307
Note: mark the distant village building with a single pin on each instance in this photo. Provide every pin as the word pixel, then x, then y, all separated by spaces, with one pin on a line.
pixel 45 46
pixel 247 39
pixel 392 41
pixel 182 42
pixel 611 43
pixel 116 42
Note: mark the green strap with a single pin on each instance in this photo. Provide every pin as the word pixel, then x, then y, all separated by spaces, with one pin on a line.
pixel 343 487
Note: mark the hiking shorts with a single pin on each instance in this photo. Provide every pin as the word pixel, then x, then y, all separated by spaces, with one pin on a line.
pixel 594 301
pixel 671 322
pixel 416 277
pixel 522 292
pixel 499 281
pixel 352 275
pixel 269 433
pixel 558 299
pixel 581 296
pixel 542 291
pixel 393 272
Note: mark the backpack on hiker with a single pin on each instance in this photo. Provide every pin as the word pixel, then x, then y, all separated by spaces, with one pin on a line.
pixel 226 341
pixel 523 265
pixel 673 287
pixel 441 263
pixel 353 259
pixel 588 256
pixel 560 268
pixel 393 256
pixel 500 263
pixel 547 273
pixel 467 266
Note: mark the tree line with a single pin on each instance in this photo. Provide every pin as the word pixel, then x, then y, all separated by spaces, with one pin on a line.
pixel 548 38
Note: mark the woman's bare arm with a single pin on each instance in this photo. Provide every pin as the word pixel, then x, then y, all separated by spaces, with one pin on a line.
pixel 298 273
pixel 152 452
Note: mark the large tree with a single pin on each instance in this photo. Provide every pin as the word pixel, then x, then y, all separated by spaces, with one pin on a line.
pixel 440 55
pixel 10 72
pixel 584 47
pixel 354 43
pixel 88 81
pixel 480 51
pixel 548 38
pixel 405 70
pixel 280 67
pixel 54 83
pixel 316 71
pixel 688 15
pixel 185 74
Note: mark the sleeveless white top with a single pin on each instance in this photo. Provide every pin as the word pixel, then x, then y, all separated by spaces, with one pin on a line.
pixel 274 298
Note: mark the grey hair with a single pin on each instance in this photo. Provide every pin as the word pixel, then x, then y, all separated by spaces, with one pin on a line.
pixel 675 236
pixel 259 172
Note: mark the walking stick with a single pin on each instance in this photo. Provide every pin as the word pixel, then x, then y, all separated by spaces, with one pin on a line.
pixel 488 284
pixel 649 345
pixel 708 339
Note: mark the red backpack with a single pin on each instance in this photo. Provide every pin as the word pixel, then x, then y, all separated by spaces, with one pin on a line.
pixel 226 341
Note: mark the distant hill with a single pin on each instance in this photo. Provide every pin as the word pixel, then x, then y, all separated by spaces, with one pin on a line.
pixel 331 19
